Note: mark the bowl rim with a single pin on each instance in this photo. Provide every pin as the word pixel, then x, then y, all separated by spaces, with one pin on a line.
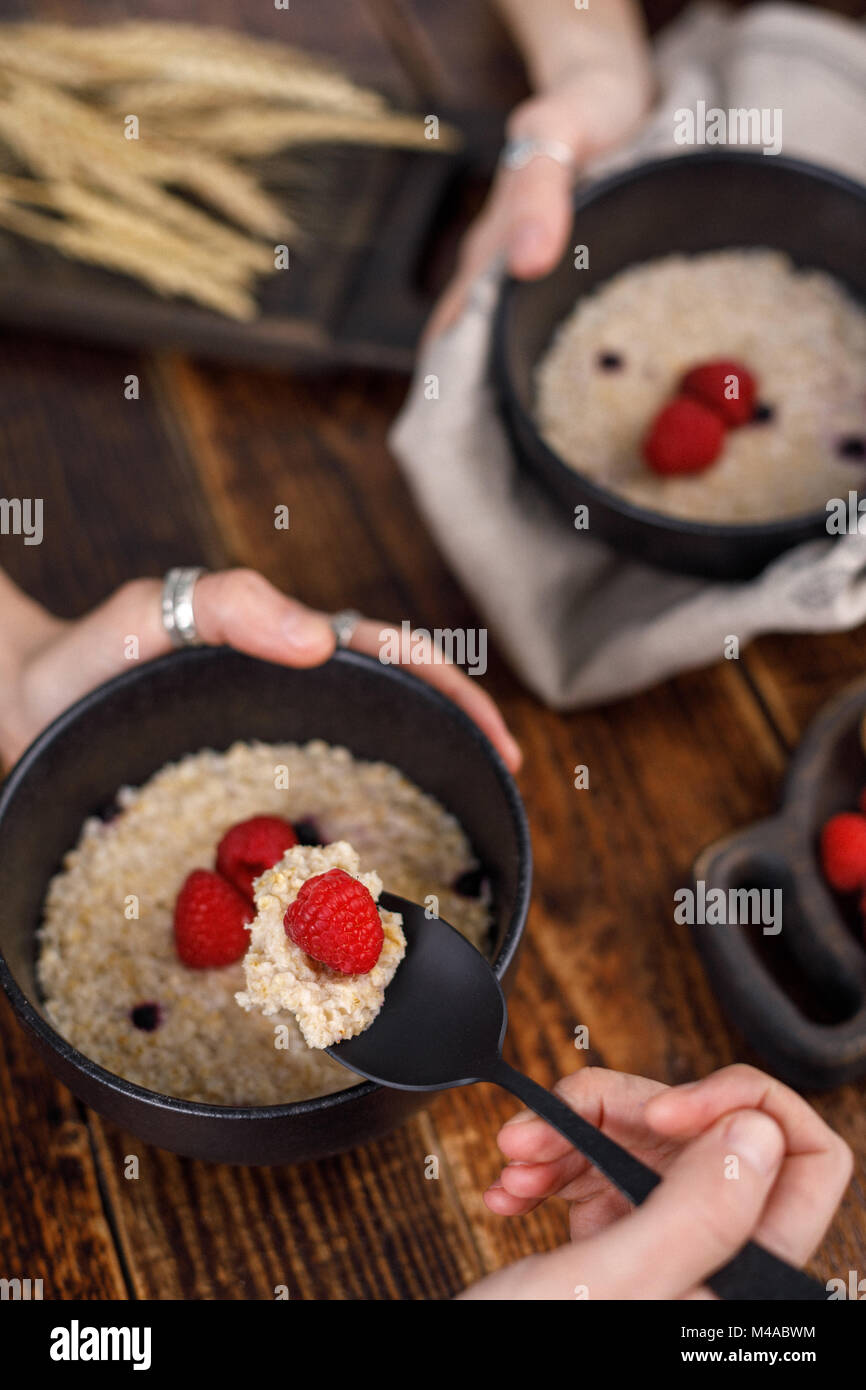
pixel 206 1110
pixel 508 394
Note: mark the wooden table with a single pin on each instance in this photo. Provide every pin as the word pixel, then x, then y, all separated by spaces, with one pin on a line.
pixel 191 473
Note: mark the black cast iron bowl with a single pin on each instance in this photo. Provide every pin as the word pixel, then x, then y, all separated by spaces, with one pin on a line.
pixel 689 204
pixel 211 697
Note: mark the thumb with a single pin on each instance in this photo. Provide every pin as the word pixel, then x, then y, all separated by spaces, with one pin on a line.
pixel 539 216
pixel 704 1211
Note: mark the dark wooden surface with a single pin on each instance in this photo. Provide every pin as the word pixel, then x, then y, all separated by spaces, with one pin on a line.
pixel 191 472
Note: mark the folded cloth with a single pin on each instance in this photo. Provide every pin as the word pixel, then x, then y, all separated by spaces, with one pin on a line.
pixel 580 623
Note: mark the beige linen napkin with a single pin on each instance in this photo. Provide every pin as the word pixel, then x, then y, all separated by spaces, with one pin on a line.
pixel 580 623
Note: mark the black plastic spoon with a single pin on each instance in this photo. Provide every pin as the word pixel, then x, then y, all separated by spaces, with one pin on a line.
pixel 443 1024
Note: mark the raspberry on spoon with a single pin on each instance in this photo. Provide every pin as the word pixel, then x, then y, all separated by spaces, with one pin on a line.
pixel 335 920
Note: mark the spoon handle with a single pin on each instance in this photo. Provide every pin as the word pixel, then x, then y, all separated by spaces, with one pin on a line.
pixel 754 1273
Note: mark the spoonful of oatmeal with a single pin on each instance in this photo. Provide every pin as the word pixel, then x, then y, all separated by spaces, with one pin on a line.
pixel 320 945
pixel 443 1024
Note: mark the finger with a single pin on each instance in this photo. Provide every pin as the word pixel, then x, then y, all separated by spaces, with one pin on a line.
pixel 592 1214
pixel 540 217
pixel 452 682
pixel 686 1110
pixel 528 215
pixel 543 1163
pixel 703 1212
pixel 537 1181
pixel 500 1201
pixel 613 1101
pixel 818 1162
pixel 521 1187
pixel 689 1226
pixel 240 608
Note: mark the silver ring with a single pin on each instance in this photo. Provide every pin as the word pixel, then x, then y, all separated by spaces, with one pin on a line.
pixel 517 153
pixel 343 625
pixel 178 617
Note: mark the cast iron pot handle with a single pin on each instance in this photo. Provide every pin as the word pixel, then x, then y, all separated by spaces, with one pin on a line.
pixel 801 1051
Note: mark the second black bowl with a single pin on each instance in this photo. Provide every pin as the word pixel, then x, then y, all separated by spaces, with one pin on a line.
pixel 689 204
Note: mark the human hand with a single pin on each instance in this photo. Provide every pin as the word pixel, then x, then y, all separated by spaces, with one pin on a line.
pixel 792 1170
pixel 590 108
pixel 49 663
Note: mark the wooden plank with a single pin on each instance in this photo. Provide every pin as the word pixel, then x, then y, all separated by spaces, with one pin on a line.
pixel 263 441
pixel 52 1223
pixel 795 674
pixel 366 1225
pixel 119 499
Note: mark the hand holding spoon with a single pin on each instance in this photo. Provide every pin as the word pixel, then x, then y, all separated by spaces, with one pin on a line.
pixel 443 1024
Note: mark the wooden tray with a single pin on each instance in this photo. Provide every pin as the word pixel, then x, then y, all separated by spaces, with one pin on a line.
pixel 355 294
pixel 799 997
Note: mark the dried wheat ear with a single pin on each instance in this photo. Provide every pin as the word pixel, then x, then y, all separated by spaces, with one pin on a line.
pixel 205 101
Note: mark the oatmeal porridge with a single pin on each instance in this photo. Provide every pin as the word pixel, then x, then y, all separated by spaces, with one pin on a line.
pixel 621 353
pixel 281 977
pixel 109 972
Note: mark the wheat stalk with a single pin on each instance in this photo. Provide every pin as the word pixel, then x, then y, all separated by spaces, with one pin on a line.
pixel 105 233
pixel 206 99
pixel 220 59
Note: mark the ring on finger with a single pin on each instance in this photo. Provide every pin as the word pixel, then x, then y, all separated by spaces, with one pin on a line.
pixel 344 624
pixel 178 617
pixel 522 149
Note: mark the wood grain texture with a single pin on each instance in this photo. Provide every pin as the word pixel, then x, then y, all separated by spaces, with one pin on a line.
pixel 366 1225
pixel 192 472
pixel 119 496
pixel 53 1223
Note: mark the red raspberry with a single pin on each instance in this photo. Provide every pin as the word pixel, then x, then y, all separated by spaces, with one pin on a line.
pixel 685 437
pixel 335 920
pixel 710 384
pixel 209 918
pixel 252 846
pixel 843 851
